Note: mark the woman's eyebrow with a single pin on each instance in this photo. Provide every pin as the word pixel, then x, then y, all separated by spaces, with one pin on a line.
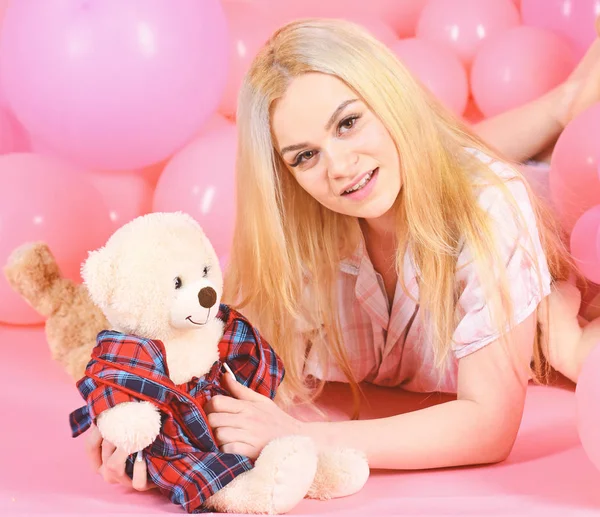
pixel 330 122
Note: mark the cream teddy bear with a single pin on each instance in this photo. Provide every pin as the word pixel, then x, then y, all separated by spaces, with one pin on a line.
pixel 169 340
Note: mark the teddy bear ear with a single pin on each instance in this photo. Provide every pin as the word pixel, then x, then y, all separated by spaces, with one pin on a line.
pixel 98 275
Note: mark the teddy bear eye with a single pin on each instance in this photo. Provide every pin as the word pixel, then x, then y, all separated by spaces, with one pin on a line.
pixel 177 282
pixel 206 270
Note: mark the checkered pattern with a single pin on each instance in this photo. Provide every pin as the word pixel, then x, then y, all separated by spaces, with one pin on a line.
pixel 184 461
pixel 391 346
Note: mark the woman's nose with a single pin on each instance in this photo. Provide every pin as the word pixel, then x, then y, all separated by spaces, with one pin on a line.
pixel 342 161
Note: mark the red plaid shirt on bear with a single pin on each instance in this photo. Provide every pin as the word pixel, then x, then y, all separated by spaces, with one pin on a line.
pixel 184 461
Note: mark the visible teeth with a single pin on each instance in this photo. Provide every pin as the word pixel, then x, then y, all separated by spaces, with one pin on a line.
pixel 360 185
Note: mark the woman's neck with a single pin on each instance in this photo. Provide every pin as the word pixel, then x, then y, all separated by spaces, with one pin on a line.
pixel 379 230
pixel 381 243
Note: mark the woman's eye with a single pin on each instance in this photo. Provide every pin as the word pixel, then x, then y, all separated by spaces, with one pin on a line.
pixel 348 123
pixel 206 270
pixel 178 282
pixel 302 157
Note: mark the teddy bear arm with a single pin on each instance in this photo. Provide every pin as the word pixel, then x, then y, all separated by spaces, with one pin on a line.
pixel 72 319
pixel 130 426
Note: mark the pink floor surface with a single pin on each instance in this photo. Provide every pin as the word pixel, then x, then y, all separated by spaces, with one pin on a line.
pixel 45 472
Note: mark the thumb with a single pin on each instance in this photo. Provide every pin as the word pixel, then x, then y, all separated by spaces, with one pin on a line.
pixel 237 389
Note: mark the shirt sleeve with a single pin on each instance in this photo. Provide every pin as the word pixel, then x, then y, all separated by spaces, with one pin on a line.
pixel 252 360
pixel 527 271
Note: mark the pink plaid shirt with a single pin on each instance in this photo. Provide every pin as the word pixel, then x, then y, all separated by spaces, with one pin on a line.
pixel 389 346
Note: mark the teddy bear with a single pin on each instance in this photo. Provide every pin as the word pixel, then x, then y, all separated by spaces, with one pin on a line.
pixel 165 344
pixel 72 320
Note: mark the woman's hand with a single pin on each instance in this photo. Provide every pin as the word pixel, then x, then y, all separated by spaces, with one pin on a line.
pixel 245 423
pixel 110 462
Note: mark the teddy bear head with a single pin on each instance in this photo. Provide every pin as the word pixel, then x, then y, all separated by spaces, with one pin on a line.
pixel 156 276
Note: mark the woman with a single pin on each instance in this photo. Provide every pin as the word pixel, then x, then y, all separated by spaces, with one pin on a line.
pixel 378 240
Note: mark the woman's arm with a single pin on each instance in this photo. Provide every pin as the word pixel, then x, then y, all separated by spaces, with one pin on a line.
pixel 524 132
pixel 479 427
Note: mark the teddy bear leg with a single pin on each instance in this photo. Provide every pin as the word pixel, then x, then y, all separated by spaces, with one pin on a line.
pixel 340 473
pixel 280 479
pixel 75 361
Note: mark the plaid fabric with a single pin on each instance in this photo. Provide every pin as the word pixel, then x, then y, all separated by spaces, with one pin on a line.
pixel 184 461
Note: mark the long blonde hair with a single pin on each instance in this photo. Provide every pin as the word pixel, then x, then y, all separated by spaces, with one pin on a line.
pixel 284 237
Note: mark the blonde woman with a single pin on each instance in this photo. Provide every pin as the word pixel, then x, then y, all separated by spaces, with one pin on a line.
pixel 378 240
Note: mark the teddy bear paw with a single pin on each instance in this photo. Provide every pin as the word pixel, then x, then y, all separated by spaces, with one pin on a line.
pixel 279 480
pixel 340 473
pixel 130 426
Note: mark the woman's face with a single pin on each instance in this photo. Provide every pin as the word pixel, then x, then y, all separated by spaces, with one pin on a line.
pixel 336 148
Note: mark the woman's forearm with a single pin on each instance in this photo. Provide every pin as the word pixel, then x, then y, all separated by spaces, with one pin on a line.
pixel 449 434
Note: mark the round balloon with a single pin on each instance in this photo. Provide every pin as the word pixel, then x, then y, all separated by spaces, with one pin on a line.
pixel 574 19
pixel 399 15
pixel 43 199
pixel 126 194
pixel 438 69
pixel 246 39
pixel 584 248
pixel 463 25
pixel 517 67
pixel 587 394
pixel 114 84
pixel 200 180
pixel 7 136
pixel 574 181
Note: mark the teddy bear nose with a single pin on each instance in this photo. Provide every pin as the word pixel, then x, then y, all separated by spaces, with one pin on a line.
pixel 207 297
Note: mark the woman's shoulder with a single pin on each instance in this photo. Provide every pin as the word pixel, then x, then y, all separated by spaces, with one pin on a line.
pixel 505 189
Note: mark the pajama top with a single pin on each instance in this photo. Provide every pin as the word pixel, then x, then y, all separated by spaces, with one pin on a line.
pixel 389 345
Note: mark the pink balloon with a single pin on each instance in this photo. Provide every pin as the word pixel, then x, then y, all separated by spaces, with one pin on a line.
pixel 45 199
pixel 587 395
pixel 574 180
pixel 377 27
pixel 114 84
pixel 400 15
pixel 573 19
pixel 127 194
pixel 289 10
pixel 438 69
pixel 7 137
pixel 598 243
pixel 13 138
pixel 246 39
pixel 583 244
pixel 518 66
pixel 200 180
pixel 463 25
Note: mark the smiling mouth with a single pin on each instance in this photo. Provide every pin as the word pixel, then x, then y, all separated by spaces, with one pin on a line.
pixel 189 318
pixel 361 184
